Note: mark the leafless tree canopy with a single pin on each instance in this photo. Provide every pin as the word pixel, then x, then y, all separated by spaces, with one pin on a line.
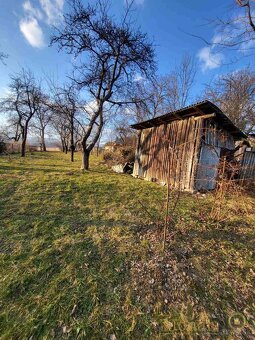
pixel 235 94
pixel 150 98
pixel 123 134
pixel 60 125
pixel 180 83
pixel 110 53
pixel 22 102
pixel 41 120
pixel 3 56
pixel 66 107
pixel 247 5
pixel 166 93
pixel 237 31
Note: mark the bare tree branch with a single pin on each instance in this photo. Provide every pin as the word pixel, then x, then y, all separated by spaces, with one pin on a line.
pixel 112 52
pixel 235 94
pixel 22 103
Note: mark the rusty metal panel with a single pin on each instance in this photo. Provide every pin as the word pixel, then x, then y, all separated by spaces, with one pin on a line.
pixel 247 171
pixel 207 169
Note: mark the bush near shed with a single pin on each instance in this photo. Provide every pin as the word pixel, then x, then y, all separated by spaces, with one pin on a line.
pixel 2 146
pixel 122 155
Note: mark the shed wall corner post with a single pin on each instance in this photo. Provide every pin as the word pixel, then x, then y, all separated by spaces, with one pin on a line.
pixel 137 155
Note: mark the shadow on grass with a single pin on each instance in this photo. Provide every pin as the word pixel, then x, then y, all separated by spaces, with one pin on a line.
pixel 74 253
pixel 236 240
pixel 6 168
pixel 51 280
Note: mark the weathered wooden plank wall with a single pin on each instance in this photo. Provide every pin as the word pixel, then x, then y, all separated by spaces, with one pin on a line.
pixel 169 153
pixel 216 136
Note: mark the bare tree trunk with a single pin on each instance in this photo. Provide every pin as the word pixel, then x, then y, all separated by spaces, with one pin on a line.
pixel 43 141
pixel 72 154
pixel 85 158
pixel 98 143
pixel 89 148
pixel 72 147
pixel 44 147
pixel 24 141
pixel 62 145
pixel 23 148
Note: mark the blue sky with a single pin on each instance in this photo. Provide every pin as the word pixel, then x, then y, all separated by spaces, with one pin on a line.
pixel 25 28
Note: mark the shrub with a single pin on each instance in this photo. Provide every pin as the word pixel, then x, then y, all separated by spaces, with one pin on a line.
pixel 121 155
pixel 2 147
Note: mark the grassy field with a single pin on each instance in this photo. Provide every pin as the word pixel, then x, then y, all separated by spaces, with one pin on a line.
pixel 81 258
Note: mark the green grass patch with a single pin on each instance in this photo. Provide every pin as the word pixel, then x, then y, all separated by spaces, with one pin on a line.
pixel 80 257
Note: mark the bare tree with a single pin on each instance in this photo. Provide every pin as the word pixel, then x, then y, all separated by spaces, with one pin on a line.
pixel 114 52
pixel 249 11
pixel 66 105
pixel 237 30
pixel 3 56
pixel 180 83
pixel 150 98
pixel 21 103
pixel 2 143
pixel 60 125
pixel 167 93
pixel 41 120
pixel 235 94
pixel 124 134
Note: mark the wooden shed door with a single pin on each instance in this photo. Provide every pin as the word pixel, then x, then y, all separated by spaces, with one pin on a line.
pixel 207 168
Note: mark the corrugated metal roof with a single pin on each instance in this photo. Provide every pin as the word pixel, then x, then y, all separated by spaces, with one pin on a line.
pixel 197 109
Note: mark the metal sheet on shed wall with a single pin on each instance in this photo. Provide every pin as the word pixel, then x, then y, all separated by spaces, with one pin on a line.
pixel 207 169
pixel 247 171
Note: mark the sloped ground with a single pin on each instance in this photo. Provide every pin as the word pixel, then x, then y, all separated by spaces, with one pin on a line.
pixel 81 258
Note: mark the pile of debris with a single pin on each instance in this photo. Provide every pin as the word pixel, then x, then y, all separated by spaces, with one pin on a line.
pixel 121 159
pixel 127 168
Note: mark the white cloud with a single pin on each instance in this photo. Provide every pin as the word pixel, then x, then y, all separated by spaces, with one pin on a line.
pixel 209 59
pixel 91 107
pixel 32 32
pixel 53 10
pixel 32 11
pixel 217 39
pixel 138 77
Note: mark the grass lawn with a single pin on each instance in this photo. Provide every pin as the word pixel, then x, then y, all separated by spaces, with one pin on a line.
pixel 80 257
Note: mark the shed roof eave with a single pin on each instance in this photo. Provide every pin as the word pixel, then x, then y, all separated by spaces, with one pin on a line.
pixel 198 109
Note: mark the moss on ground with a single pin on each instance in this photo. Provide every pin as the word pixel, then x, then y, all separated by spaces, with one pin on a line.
pixel 80 257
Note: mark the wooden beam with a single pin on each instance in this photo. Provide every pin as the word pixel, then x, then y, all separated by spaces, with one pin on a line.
pixel 205 116
pixel 200 111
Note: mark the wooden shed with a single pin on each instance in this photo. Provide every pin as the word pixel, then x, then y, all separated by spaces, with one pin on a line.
pixel 184 147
